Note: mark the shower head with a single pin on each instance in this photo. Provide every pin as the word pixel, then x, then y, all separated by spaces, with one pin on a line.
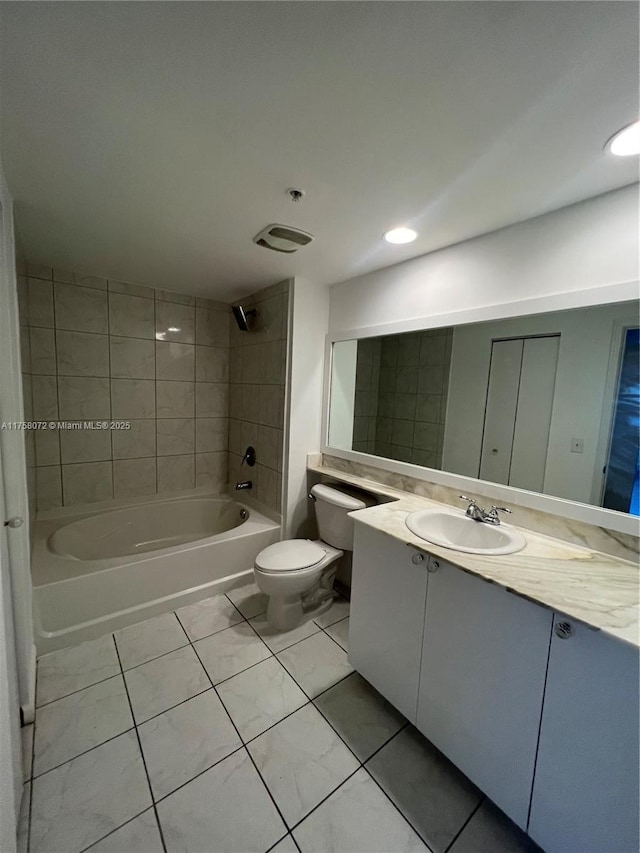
pixel 241 316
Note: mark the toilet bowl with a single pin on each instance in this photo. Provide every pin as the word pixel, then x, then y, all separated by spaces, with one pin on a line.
pixel 297 574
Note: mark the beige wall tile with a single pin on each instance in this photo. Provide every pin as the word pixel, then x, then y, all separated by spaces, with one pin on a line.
pixel 47 447
pixel 175 399
pixel 85 445
pixel 211 470
pixel 269 447
pixel 269 487
pixel 87 482
pixel 68 277
pixel 171 296
pixel 40 302
pixel 175 436
pixel 138 441
pixel 134 477
pixel 212 327
pixel 45 398
pixel 133 358
pixel 82 354
pixel 83 398
pixel 131 316
pixel 175 322
pixel 212 364
pixel 235 436
pixel 27 396
pixel 131 289
pixel 212 400
pixel 43 351
pixel 48 487
pixel 211 434
pixel 204 302
pixel 175 473
pixel 251 403
pixel 133 399
pixel 174 361
pixel 80 309
pixel 39 271
pixel 271 408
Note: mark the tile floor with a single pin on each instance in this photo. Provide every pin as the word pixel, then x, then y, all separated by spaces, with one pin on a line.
pixel 206 731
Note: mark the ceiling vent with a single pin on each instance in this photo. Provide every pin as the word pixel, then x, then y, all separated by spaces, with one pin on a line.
pixel 282 238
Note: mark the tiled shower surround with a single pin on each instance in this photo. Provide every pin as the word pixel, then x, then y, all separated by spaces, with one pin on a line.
pixel 97 350
pixel 258 361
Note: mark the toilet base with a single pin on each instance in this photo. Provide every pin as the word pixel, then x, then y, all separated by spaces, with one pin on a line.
pixel 284 613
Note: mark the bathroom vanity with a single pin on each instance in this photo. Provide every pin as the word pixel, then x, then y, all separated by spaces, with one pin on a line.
pixel 522 669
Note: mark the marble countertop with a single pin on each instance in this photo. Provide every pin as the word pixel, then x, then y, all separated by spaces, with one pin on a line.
pixel 597 589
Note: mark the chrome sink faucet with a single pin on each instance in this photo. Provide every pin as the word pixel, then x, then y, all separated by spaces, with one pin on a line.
pixel 478 513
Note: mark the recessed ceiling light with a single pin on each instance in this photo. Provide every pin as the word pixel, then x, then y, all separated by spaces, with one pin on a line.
pixel 625 142
pixel 400 235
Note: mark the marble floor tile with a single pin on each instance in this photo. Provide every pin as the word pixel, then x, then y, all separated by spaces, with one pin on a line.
pixel 191 817
pixel 140 835
pixel 260 697
pixel 249 600
pixel 280 640
pixel 316 663
pixel 287 845
pixel 491 831
pixel 26 734
pixel 359 817
pixel 186 740
pixel 208 616
pixel 72 725
pixel 162 683
pixel 338 610
pixel 22 839
pixel 83 800
pixel 360 715
pixel 147 640
pixel 230 651
pixel 63 672
pixel 302 760
pixel 429 791
pixel 339 631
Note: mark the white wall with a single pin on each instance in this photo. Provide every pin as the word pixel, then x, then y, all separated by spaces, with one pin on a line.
pixel 581 379
pixel 584 246
pixel 310 317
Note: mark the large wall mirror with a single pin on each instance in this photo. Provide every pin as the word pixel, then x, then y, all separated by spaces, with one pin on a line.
pixel 547 402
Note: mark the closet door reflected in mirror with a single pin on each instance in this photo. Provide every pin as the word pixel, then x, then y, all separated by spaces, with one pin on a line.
pixel 546 402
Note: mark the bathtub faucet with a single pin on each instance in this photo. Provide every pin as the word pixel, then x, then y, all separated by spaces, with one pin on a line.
pixel 247 484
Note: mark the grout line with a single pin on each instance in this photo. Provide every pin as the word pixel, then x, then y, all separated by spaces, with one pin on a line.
pixel 33 758
pixel 111 832
pixel 144 762
pixel 86 751
pixel 483 799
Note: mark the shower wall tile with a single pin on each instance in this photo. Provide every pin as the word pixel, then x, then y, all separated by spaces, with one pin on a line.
pixel 174 361
pixel 136 442
pixel 176 473
pixel 134 477
pixel 87 482
pixel 97 350
pixel 82 354
pixel 132 358
pixel 80 309
pixel 131 316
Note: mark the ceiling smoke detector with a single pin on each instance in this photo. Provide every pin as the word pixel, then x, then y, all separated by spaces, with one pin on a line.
pixel 282 238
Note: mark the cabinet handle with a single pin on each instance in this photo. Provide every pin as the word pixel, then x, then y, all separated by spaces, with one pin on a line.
pixel 417 559
pixel 564 630
pixel 433 566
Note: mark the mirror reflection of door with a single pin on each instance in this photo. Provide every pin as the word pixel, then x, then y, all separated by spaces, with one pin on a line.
pixel 622 472
pixel 520 391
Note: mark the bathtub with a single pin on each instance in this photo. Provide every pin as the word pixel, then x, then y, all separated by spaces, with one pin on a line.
pixel 98 570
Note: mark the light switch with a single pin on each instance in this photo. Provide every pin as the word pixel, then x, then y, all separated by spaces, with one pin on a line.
pixel 577 445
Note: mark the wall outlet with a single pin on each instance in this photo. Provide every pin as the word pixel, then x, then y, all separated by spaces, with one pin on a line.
pixel 577 445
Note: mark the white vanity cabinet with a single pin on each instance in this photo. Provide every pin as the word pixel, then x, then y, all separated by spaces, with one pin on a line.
pixel 585 794
pixel 388 588
pixel 482 679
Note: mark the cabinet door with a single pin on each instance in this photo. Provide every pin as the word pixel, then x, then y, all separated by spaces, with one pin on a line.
pixel 388 591
pixel 482 681
pixel 585 794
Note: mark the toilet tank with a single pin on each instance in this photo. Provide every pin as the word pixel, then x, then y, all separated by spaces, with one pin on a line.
pixel 333 506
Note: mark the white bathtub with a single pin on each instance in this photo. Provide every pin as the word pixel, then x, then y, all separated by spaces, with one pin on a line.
pixel 97 571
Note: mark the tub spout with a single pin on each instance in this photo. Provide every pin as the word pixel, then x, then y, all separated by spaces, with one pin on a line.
pixel 247 484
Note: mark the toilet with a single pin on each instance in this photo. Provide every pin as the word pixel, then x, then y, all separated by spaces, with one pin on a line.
pixel 297 575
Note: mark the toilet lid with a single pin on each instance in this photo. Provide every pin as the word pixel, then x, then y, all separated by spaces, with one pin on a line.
pixel 290 555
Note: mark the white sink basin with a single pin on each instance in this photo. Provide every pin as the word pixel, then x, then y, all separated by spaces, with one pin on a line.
pixel 460 533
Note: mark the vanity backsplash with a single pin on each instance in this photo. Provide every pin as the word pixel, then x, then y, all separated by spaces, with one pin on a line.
pixel 622 545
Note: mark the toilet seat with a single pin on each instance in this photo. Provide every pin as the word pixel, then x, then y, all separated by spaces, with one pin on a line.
pixel 290 556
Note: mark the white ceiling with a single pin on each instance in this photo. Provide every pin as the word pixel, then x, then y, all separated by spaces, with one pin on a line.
pixel 151 141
